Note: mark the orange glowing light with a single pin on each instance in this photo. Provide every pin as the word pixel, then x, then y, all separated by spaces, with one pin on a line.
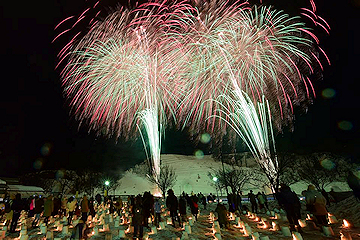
pixel 157 194
pixel 302 223
pixel 346 224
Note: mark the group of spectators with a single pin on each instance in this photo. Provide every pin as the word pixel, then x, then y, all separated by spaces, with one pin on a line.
pixel 315 205
pixel 39 206
pixel 142 207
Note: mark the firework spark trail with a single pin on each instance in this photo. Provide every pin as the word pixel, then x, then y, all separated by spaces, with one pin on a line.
pixel 253 125
pixel 121 77
pixel 267 49
pixel 135 66
pixel 243 56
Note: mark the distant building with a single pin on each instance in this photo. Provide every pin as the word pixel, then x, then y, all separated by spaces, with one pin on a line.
pixel 8 188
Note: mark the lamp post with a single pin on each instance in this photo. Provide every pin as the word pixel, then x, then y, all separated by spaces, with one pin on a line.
pixel 107 184
pixel 215 179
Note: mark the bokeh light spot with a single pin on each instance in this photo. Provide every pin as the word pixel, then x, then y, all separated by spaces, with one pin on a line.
pixel 205 138
pixel 45 149
pixel 327 164
pixel 328 93
pixel 345 125
pixel 38 164
pixel 199 154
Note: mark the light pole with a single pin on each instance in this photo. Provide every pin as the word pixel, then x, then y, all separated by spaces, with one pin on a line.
pixel 215 179
pixel 107 184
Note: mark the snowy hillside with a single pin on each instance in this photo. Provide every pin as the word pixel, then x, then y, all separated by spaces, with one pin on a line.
pixel 192 176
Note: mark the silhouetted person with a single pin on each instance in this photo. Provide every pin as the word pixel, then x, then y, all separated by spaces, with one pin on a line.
pixel 252 199
pixel 16 207
pixel 138 217
pixel 48 208
pixel 84 208
pixel 71 206
pixel 157 210
pixel 39 206
pixel 291 204
pixel 172 205
pixel 354 183
pixel 222 215
pixel 194 206
pixel 182 208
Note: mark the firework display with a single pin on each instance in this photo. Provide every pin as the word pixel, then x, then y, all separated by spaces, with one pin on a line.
pixel 208 65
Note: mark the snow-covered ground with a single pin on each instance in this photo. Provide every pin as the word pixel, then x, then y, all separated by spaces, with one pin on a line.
pixel 204 228
pixel 192 175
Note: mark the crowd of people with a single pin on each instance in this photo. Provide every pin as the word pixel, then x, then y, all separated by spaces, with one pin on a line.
pixel 142 207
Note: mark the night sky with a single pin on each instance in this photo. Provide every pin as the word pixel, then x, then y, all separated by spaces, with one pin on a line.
pixel 37 132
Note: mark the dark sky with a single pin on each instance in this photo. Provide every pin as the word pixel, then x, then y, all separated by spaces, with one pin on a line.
pixel 36 131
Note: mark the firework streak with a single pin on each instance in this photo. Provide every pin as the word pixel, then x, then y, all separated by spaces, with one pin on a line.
pixel 208 65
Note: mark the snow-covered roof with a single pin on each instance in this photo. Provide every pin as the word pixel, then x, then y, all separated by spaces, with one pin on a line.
pixel 22 188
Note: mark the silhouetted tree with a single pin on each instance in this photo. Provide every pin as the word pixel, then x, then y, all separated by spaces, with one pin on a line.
pixel 321 169
pixel 166 180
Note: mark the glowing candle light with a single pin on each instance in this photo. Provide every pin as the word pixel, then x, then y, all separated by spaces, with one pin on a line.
pixel 332 218
pixel 346 224
pixel 297 236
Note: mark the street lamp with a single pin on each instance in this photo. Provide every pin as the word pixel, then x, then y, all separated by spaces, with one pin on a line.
pixel 107 184
pixel 215 179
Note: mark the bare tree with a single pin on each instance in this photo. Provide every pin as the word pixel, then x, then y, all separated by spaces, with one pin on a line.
pixel 53 181
pixel 234 178
pixel 87 181
pixel 321 169
pixel 166 180
pixel 284 171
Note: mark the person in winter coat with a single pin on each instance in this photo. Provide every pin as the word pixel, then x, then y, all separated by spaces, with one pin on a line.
pixel 290 202
pixel 157 210
pixel 79 230
pixel 39 206
pixel 91 207
pixel 148 204
pixel 118 206
pixel 138 217
pixel 231 201
pixel 238 204
pixel 98 198
pixel 57 206
pixel 63 206
pixel 71 205
pixel 84 208
pixel 16 207
pixel 8 211
pixel 172 205
pixel 194 207
pixel 252 200
pixel 182 208
pixel 316 204
pixel 48 208
pixel 353 181
pixel 265 200
pixel 222 215
pixel 261 201
pixel 31 207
